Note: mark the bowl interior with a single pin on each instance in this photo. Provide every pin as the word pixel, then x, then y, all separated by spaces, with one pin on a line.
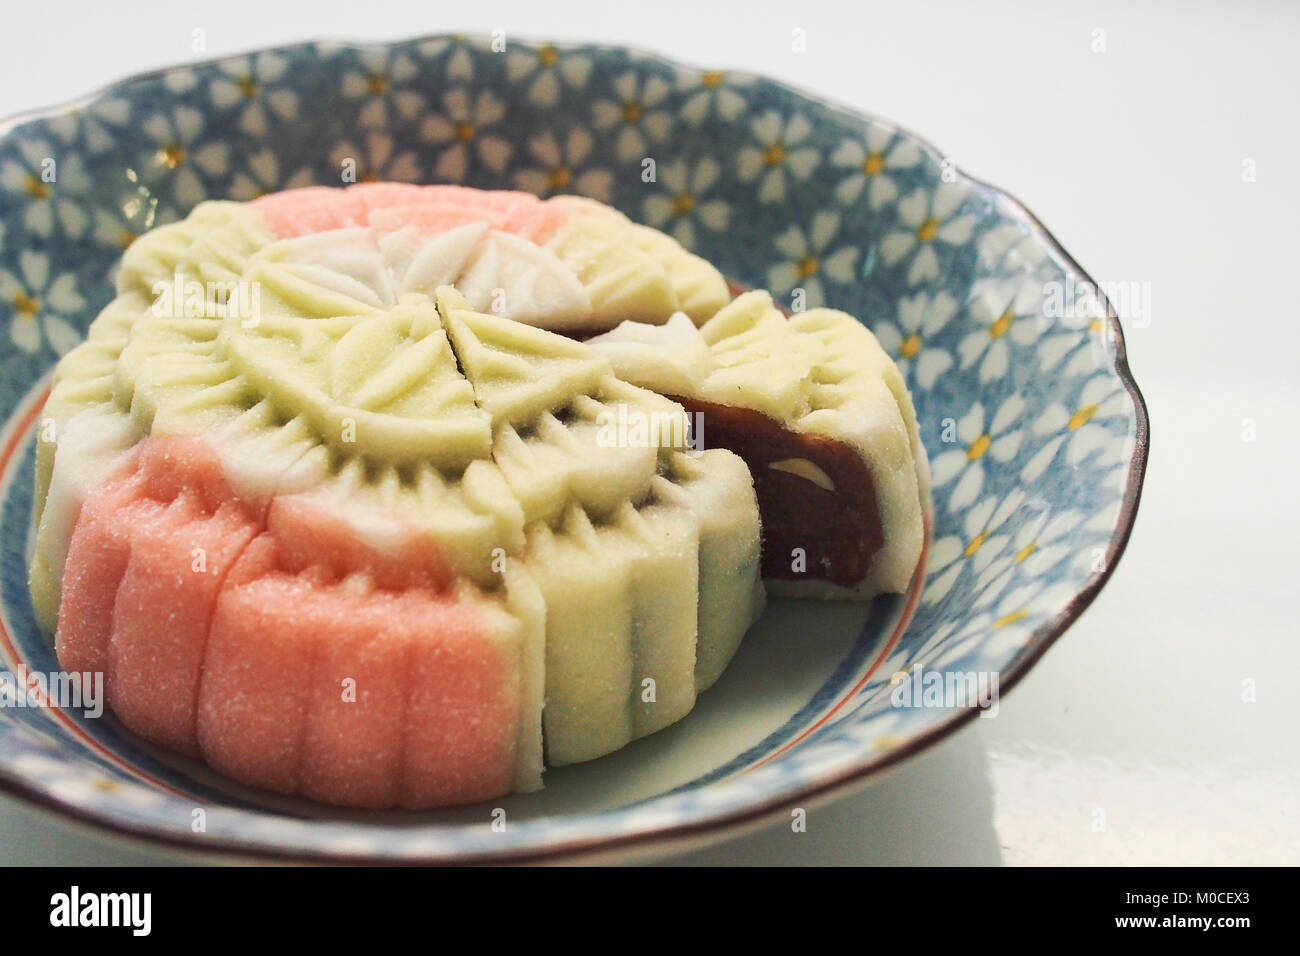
pixel 1034 430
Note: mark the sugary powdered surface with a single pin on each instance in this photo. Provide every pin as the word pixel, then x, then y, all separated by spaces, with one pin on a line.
pixel 358 524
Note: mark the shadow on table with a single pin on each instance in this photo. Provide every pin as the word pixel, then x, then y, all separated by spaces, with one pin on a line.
pixel 934 809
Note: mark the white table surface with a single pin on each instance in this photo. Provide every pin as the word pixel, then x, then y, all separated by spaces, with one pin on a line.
pixel 1133 157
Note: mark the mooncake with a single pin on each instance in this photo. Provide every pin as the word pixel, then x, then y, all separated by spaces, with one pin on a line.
pixel 393 495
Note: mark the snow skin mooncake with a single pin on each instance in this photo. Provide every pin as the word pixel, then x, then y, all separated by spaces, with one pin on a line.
pixel 393 495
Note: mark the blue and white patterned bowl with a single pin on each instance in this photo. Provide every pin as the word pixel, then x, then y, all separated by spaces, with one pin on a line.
pixel 1036 431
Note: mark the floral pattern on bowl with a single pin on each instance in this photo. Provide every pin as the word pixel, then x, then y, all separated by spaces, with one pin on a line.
pixel 1036 432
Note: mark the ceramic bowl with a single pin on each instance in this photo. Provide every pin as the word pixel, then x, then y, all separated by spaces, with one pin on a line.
pixel 1035 429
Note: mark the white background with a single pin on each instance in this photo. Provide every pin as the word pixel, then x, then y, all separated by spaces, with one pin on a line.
pixel 1133 157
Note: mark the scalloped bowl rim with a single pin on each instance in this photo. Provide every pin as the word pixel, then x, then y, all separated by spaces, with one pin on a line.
pixel 709 827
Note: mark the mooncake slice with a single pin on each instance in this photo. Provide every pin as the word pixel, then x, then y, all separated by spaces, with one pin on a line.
pixel 252 496
pixel 551 402
pixel 821 416
pixel 646 608
pixel 645 557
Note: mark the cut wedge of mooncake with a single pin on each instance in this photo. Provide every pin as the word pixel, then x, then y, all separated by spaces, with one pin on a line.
pixel 338 503
pixel 822 417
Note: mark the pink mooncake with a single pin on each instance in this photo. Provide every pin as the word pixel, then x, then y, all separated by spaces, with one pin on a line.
pixel 395 495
